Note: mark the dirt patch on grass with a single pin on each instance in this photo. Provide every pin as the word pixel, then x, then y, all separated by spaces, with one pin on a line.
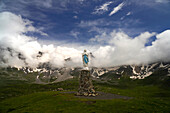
pixel 102 96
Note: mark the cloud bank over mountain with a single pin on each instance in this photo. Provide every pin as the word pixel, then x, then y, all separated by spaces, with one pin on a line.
pixel 109 49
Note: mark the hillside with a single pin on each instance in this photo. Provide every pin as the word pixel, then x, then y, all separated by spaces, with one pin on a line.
pixel 45 74
pixel 24 96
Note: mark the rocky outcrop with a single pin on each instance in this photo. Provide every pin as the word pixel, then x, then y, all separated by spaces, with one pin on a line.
pixel 86 87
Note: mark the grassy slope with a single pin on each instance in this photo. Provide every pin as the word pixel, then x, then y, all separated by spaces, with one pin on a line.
pixel 19 96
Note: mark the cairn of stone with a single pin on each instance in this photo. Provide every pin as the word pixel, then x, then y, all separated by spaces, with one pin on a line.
pixel 85 84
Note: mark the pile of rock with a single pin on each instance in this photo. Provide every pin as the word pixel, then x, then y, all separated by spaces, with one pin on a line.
pixel 85 84
pixel 59 89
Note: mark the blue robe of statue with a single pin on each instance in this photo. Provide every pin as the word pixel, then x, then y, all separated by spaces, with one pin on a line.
pixel 86 60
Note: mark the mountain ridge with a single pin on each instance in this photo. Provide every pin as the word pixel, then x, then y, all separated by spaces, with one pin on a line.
pixel 46 74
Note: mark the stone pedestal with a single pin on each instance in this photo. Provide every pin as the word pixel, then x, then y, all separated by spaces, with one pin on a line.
pixel 85 84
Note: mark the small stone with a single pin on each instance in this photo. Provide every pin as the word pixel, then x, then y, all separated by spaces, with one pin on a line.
pixel 93 90
pixel 93 95
pixel 60 89
pixel 85 94
pixel 78 94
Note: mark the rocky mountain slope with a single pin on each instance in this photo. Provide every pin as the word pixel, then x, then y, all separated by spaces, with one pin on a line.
pixel 45 74
pixel 133 71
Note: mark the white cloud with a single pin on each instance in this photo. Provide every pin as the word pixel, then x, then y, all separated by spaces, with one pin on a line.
pixel 2 6
pixel 116 9
pixel 11 24
pixel 74 34
pixel 98 30
pixel 122 18
pixel 47 3
pixel 13 42
pixel 75 17
pixel 100 38
pixel 129 13
pixel 160 49
pixel 118 48
pixel 162 1
pixel 103 8
pixel 97 23
pixel 155 4
pixel 92 23
pixel 128 50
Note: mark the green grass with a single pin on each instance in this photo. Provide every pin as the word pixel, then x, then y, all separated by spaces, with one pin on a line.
pixel 21 97
pixel 13 88
pixel 53 102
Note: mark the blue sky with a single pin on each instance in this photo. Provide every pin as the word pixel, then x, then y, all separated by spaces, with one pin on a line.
pixel 81 20
pixel 117 32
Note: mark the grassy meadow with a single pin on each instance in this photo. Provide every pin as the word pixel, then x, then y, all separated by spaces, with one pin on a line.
pixel 18 96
